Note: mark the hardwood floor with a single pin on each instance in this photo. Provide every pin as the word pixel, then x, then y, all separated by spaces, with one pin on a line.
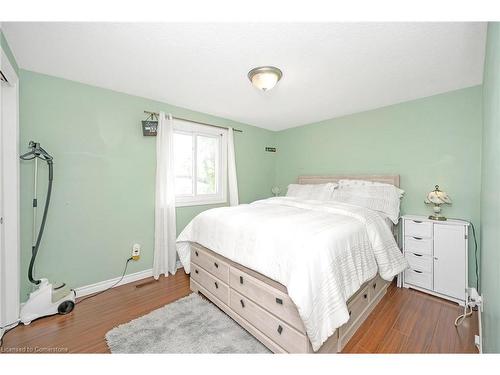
pixel 405 321
pixel 83 330
pixel 408 321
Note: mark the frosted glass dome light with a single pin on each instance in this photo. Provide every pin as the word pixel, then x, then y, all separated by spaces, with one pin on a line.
pixel 265 77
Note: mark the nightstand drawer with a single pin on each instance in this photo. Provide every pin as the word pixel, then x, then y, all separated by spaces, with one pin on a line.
pixel 418 278
pixel 418 245
pixel 416 228
pixel 419 262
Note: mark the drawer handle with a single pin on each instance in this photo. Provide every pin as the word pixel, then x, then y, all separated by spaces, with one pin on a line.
pixel 195 271
pixel 196 253
pixel 280 329
pixel 350 313
pixel 242 303
pixel 417 255
pixel 417 221
pixel 241 279
pixel 417 238
pixel 374 285
pixel 216 265
pixel 279 301
pixel 365 296
pixel 216 285
pixel 417 271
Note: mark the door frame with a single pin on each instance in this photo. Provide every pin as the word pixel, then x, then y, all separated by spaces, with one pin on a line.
pixel 9 197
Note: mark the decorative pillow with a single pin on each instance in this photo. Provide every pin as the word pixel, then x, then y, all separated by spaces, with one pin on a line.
pixel 322 192
pixel 344 183
pixel 384 198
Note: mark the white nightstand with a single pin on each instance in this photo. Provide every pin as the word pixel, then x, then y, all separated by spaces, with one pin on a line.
pixel 437 254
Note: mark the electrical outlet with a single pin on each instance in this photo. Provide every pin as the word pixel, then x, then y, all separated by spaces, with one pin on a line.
pixel 136 251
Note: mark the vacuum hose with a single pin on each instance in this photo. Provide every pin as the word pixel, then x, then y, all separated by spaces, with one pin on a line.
pixel 34 249
pixel 38 152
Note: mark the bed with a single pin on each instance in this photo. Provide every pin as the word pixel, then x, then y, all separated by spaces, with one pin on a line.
pixel 299 275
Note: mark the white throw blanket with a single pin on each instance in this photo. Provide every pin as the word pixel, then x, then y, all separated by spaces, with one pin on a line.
pixel 321 251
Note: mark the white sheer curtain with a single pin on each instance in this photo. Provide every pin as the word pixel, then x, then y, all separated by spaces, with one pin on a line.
pixel 164 260
pixel 231 170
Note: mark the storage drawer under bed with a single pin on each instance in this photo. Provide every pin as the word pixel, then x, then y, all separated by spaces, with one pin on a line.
pixel 376 285
pixel 356 307
pixel 204 259
pixel 269 298
pixel 277 330
pixel 211 283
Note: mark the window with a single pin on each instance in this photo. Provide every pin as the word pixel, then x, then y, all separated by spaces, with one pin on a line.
pixel 200 156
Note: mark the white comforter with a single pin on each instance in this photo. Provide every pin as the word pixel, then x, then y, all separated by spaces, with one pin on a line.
pixel 322 252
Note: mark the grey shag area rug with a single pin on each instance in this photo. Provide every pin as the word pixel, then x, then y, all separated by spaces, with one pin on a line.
pixel 188 325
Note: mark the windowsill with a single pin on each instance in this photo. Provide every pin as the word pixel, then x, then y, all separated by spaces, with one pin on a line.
pixel 207 202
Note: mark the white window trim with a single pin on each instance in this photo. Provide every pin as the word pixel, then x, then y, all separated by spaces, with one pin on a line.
pixel 186 127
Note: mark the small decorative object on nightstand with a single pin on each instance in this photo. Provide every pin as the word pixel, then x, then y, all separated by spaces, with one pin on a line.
pixel 276 190
pixel 437 198
pixel 437 254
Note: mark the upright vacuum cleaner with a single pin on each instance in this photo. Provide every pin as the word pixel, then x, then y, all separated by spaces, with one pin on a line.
pixel 46 299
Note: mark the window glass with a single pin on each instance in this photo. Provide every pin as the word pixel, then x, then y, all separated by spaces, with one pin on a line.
pixel 200 154
pixel 207 150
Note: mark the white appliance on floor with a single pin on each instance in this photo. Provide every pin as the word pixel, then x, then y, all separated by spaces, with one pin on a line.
pixel 47 299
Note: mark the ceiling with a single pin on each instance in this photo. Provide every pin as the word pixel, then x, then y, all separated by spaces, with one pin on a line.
pixel 329 69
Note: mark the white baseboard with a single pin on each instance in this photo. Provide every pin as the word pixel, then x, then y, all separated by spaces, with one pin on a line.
pixel 103 285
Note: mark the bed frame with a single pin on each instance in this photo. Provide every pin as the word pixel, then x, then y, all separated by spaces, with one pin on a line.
pixel 262 306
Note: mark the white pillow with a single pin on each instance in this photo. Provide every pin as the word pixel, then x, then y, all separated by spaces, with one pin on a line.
pixel 351 183
pixel 322 192
pixel 384 198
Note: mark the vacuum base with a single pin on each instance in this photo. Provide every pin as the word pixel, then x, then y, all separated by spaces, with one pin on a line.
pixel 46 301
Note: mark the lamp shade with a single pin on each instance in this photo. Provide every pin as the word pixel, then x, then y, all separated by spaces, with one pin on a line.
pixel 438 197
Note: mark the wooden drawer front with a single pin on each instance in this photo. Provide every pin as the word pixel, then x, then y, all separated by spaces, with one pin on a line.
pixel 211 264
pixel 417 228
pixel 418 278
pixel 418 245
pixel 211 283
pixel 267 297
pixel 356 307
pixel 377 285
pixel 419 262
pixel 280 332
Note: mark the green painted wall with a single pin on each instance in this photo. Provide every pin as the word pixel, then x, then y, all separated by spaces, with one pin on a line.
pixel 490 198
pixel 435 140
pixel 103 197
pixel 8 52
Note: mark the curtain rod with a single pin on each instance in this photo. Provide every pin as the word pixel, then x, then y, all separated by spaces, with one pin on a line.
pixel 197 122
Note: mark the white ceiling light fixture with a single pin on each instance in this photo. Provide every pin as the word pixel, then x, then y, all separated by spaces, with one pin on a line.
pixel 265 77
